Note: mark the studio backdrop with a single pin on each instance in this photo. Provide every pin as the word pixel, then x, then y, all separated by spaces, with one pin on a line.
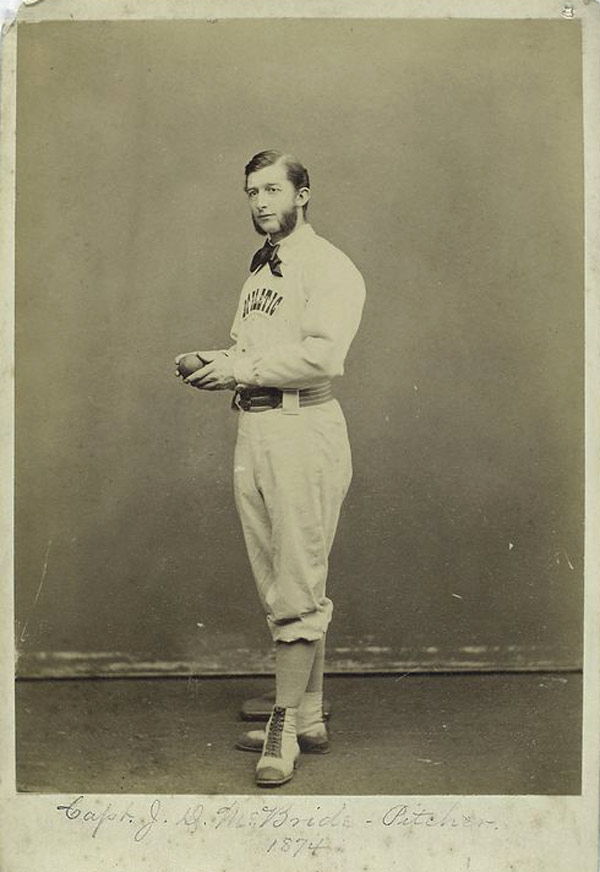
pixel 446 161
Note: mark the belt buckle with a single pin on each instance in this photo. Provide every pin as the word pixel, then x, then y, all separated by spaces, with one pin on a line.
pixel 243 403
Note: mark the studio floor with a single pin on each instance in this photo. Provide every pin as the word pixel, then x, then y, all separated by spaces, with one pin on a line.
pixel 390 735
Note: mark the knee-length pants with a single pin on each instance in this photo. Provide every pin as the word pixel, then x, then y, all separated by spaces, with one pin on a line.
pixel 291 474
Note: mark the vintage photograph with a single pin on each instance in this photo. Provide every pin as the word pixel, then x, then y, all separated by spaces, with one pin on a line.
pixel 299 415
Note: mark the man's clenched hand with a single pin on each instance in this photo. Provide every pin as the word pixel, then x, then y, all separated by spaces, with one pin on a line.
pixel 215 376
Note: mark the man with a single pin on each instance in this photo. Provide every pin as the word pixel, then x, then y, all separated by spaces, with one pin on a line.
pixel 298 313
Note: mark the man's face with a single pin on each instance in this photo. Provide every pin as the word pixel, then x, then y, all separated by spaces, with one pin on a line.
pixel 274 201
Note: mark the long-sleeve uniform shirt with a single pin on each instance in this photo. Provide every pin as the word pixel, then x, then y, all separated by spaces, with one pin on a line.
pixel 294 330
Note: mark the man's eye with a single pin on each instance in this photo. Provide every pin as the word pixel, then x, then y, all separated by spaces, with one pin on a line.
pixel 272 190
pixel 251 194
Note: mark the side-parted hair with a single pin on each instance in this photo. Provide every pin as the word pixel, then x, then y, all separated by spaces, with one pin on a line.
pixel 297 173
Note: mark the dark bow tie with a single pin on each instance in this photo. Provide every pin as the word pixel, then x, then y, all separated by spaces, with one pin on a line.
pixel 267 254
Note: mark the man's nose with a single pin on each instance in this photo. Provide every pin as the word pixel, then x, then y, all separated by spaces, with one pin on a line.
pixel 261 200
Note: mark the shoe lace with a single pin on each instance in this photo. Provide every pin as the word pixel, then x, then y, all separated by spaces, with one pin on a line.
pixel 274 733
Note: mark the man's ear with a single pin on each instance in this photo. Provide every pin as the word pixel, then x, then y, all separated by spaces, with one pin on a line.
pixel 302 196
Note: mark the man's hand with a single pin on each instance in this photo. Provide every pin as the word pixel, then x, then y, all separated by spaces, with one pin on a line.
pixel 216 375
pixel 204 358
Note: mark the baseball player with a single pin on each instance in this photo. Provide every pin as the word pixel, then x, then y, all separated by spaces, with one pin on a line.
pixel 298 312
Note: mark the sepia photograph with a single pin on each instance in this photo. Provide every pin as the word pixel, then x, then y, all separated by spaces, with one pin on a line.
pixel 299 420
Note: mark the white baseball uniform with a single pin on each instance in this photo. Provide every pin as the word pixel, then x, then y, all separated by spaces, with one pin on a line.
pixel 292 465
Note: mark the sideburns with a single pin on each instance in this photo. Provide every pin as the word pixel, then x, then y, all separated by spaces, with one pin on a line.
pixel 289 221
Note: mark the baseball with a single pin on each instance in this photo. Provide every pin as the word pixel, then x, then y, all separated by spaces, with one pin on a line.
pixel 190 363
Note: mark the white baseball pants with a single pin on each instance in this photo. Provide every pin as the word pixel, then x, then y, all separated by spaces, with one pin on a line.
pixel 291 474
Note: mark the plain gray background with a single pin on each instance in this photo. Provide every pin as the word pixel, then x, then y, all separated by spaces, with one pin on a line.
pixel 446 161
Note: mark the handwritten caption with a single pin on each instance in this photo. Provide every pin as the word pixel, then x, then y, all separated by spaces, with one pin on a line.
pixel 288 819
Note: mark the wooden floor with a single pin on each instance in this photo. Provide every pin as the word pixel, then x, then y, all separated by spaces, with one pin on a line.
pixel 391 735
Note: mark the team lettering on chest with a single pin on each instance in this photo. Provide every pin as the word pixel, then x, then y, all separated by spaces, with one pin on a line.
pixel 262 300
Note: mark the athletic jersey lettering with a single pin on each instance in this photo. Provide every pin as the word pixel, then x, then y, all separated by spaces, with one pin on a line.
pixel 262 300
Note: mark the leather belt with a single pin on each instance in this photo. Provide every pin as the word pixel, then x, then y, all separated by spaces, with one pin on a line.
pixel 263 399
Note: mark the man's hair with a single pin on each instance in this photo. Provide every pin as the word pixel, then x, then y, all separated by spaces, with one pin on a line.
pixel 297 173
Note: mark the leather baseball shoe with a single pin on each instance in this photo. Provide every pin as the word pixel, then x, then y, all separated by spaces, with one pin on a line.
pixel 280 753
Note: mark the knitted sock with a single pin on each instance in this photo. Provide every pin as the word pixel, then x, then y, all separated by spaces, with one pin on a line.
pixel 315 680
pixel 293 665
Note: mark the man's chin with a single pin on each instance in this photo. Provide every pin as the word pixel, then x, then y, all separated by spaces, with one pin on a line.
pixel 260 229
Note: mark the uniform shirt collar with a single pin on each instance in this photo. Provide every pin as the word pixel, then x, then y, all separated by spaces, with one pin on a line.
pixel 295 239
